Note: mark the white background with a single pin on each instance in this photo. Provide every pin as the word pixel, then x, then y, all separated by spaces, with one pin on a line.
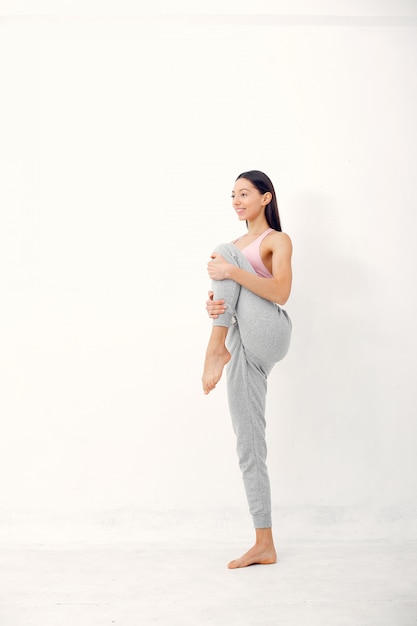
pixel 121 136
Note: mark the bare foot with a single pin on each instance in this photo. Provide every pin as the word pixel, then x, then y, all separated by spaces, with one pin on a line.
pixel 259 554
pixel 213 368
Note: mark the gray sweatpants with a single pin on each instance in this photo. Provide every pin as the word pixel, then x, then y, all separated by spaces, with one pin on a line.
pixel 259 335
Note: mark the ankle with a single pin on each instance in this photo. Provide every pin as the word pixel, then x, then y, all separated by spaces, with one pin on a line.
pixel 217 344
pixel 216 349
pixel 264 538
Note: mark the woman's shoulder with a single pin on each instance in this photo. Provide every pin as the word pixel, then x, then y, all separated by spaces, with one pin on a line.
pixel 278 239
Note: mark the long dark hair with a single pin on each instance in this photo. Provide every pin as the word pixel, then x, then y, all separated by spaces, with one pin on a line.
pixel 264 184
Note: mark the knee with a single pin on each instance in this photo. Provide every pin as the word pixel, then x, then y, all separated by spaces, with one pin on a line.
pixel 228 251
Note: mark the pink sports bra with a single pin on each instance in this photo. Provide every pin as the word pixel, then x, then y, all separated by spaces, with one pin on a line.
pixel 252 253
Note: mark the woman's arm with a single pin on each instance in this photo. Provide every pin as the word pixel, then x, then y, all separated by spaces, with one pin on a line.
pixel 276 289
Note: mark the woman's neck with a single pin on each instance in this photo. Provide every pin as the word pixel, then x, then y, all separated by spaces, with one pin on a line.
pixel 257 227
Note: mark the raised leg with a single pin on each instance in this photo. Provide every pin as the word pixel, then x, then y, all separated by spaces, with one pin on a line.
pixel 217 355
pixel 265 328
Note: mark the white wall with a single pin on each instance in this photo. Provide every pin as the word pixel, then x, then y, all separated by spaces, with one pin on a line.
pixel 121 139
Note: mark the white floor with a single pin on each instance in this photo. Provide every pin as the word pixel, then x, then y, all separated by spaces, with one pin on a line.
pixel 352 583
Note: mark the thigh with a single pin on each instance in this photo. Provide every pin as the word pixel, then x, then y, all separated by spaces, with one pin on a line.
pixel 265 328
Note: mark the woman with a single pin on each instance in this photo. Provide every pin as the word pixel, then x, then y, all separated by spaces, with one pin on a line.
pixel 251 277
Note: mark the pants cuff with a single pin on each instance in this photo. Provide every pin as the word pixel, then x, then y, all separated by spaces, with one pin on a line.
pixel 262 521
pixel 224 319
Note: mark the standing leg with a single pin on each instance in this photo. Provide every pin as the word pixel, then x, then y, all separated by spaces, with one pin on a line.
pixel 247 385
pixel 246 388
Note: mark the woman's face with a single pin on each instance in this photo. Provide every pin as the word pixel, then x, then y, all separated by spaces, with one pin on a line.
pixel 248 202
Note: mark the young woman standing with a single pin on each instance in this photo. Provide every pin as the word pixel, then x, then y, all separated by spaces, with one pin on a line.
pixel 251 278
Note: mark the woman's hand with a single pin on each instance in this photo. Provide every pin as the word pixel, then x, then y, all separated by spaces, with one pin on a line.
pixel 214 307
pixel 218 268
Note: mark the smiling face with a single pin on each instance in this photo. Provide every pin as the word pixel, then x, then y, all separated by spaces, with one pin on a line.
pixel 248 202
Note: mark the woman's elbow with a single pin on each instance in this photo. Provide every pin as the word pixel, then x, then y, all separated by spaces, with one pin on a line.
pixel 282 290
pixel 281 301
pixel 282 296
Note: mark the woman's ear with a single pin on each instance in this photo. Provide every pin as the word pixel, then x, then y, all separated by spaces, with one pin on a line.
pixel 267 198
